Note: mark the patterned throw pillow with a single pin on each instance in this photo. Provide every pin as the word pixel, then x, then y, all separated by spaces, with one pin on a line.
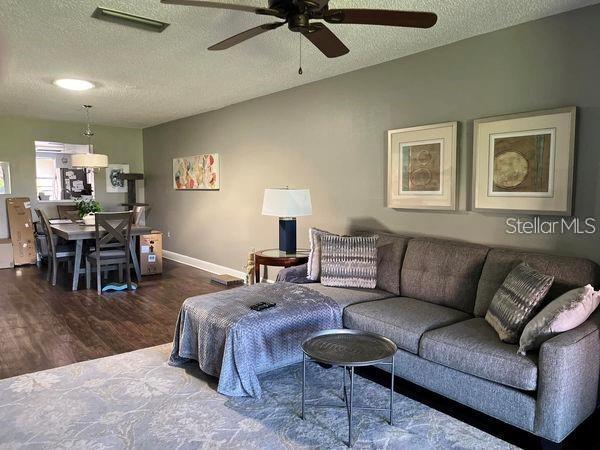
pixel 562 314
pixel 516 301
pixel 313 270
pixel 349 261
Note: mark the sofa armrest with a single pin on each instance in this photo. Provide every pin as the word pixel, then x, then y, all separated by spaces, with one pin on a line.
pixel 295 274
pixel 568 376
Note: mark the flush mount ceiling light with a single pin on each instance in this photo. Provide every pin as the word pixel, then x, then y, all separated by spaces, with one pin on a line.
pixel 73 84
pixel 123 18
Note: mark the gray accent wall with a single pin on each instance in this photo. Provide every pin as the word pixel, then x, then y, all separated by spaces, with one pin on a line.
pixel 330 136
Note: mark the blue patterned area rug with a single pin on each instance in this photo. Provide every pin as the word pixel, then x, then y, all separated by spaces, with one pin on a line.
pixel 135 400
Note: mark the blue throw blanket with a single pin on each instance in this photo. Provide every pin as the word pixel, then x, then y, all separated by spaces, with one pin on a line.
pixel 231 341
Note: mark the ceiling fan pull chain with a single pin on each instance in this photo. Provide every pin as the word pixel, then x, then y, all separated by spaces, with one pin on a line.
pixel 300 48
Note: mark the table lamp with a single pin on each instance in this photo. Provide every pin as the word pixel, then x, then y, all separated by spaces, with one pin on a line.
pixel 287 204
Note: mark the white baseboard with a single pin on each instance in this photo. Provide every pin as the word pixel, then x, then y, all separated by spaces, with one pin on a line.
pixel 204 265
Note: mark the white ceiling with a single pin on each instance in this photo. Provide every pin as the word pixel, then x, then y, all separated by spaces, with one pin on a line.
pixel 147 78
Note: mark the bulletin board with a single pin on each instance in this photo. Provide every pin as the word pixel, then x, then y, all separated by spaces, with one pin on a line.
pixel 73 182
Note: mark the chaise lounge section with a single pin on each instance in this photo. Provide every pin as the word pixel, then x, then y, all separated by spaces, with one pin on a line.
pixel 435 315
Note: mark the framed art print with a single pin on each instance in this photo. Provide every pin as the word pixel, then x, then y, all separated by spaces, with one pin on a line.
pixel 422 167
pixel 524 162
pixel 113 181
pixel 200 172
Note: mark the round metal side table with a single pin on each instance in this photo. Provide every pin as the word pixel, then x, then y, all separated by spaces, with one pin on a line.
pixel 348 349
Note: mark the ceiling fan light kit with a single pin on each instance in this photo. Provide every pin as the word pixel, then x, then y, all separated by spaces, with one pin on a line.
pixel 299 15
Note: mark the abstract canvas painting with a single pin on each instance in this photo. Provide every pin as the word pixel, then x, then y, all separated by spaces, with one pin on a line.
pixel 524 162
pixel 422 167
pixel 113 182
pixel 199 172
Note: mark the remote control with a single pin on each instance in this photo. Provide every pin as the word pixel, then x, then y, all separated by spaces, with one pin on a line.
pixel 262 305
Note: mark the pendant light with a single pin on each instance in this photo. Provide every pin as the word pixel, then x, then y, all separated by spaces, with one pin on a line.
pixel 89 160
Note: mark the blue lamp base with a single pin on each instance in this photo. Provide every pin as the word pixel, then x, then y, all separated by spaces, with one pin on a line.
pixel 287 234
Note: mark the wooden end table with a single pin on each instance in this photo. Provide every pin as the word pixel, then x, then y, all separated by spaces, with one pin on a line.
pixel 275 257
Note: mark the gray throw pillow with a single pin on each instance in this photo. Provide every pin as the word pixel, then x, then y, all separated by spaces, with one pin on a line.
pixel 562 314
pixel 516 301
pixel 349 261
pixel 313 269
pixel 390 252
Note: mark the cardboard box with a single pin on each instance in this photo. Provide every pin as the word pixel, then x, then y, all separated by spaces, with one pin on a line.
pixel 20 225
pixel 151 253
pixel 6 254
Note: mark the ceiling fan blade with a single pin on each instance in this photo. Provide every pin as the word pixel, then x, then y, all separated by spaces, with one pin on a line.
pixel 245 35
pixel 325 40
pixel 218 5
pixel 414 19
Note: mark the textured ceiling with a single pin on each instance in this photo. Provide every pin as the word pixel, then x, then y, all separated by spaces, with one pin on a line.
pixel 146 78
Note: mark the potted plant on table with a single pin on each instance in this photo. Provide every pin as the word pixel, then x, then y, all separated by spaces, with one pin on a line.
pixel 87 208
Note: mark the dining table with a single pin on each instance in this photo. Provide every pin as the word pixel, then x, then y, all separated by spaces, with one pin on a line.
pixel 79 233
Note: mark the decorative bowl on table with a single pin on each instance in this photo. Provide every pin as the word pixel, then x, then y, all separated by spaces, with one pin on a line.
pixel 89 219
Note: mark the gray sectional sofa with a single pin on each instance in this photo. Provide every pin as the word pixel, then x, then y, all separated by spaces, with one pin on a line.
pixel 431 301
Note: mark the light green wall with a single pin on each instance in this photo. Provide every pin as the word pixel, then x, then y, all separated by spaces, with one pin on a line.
pixel 330 136
pixel 17 136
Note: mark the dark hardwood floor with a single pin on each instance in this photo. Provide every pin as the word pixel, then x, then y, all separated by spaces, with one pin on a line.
pixel 42 327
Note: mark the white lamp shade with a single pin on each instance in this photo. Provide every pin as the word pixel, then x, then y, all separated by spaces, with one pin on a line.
pixel 89 160
pixel 287 203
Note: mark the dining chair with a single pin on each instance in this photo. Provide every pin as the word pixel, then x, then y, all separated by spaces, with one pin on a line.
pixel 139 212
pixel 56 252
pixel 67 212
pixel 113 234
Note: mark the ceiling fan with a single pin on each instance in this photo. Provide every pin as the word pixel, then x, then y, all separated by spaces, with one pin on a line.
pixel 298 15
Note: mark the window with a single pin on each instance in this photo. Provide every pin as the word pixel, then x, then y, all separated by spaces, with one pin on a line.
pixel 55 178
pixel 4 178
pixel 46 185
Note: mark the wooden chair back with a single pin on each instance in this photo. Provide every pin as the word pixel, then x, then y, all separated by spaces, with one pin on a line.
pixel 67 212
pixel 113 231
pixel 138 213
pixel 47 231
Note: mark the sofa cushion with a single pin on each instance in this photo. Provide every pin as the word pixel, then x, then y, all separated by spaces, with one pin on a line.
pixel 569 273
pixel 348 296
pixel 401 319
pixel 473 347
pixel 390 253
pixel 442 272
